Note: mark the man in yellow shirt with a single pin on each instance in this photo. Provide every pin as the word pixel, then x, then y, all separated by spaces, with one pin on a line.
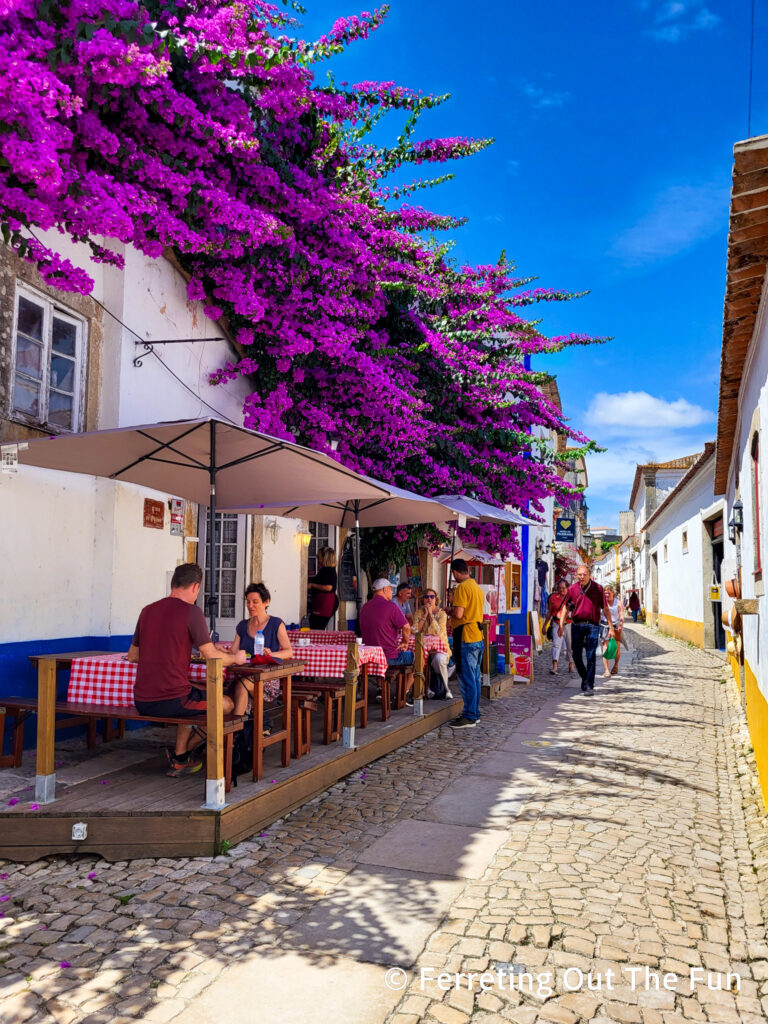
pixel 466 617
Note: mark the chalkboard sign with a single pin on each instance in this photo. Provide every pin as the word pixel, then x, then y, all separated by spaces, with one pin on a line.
pixel 347 571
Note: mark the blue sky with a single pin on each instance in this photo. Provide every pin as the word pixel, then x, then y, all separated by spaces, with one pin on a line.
pixel 614 123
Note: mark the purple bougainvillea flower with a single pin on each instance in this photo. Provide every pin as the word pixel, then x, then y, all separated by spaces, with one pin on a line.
pixel 92 874
pixel 4 898
pixel 109 138
pixel 3 876
pixel 34 807
pixel 13 801
pixel 65 963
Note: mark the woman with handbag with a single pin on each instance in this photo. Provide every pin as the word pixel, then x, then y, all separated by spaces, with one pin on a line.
pixel 555 603
pixel 616 609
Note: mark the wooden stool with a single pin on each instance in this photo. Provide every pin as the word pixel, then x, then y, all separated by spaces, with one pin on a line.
pixel 383 685
pixel 333 717
pixel 361 702
pixel 301 709
pixel 400 675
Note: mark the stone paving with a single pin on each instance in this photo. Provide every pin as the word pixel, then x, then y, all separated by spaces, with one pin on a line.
pixel 558 852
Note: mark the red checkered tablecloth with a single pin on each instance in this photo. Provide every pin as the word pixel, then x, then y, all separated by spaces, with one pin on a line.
pixel 432 644
pixel 322 636
pixel 331 660
pixel 109 679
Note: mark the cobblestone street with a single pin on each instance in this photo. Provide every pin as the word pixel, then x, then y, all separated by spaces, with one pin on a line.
pixel 598 844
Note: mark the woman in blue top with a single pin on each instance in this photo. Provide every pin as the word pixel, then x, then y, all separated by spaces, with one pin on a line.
pixel 276 642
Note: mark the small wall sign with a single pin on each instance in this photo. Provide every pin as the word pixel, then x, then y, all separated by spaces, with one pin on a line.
pixel 714 593
pixel 176 506
pixel 154 514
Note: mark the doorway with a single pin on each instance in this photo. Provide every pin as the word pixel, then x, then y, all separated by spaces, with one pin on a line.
pixel 230 570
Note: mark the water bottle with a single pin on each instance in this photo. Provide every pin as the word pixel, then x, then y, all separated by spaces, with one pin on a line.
pixel 258 643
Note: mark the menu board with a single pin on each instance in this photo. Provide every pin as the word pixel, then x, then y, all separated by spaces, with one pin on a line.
pixel 347 571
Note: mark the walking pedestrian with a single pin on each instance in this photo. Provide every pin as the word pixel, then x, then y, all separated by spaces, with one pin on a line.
pixel 587 600
pixel 634 605
pixel 616 609
pixel 554 605
pixel 466 617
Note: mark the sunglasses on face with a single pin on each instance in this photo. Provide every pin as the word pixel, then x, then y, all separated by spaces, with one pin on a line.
pixel 430 597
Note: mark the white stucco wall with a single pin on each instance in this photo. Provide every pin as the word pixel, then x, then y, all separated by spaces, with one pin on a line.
pixel 281 569
pixel 753 414
pixel 80 540
pixel 681 579
pixel 76 559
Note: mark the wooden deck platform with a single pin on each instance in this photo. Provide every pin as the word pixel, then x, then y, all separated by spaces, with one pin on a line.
pixel 137 811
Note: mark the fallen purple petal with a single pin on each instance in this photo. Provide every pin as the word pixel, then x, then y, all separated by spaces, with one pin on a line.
pixel 4 898
pixel 65 963
pixel 4 876
pixel 92 874
pixel 43 927
pixel 13 801
pixel 34 807
pixel 103 782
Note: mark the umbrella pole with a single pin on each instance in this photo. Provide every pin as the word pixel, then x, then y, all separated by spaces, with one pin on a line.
pixel 212 595
pixel 448 576
pixel 358 601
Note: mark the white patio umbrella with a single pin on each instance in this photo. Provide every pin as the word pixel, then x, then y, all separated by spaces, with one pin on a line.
pixel 208 461
pixel 395 507
pixel 472 508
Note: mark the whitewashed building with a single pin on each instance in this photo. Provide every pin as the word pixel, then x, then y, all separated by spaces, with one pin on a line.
pixel 652 483
pixel 78 557
pixel 685 539
pixel 742 432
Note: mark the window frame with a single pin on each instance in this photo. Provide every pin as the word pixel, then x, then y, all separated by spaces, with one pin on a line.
pixel 51 309
pixel 317 542
pixel 754 459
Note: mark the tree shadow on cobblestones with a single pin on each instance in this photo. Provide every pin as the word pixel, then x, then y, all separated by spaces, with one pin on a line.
pixel 168 943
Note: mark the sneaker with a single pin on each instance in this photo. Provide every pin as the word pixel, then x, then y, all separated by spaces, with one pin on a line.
pixel 462 723
pixel 448 695
pixel 184 764
pixel 409 701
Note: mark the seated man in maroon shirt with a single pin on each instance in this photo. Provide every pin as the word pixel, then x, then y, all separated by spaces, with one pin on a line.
pixel 586 600
pixel 381 623
pixel 162 645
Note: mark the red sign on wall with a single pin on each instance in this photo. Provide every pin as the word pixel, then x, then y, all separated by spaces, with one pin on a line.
pixel 154 514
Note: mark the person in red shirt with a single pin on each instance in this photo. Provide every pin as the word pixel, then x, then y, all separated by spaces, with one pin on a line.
pixel 587 602
pixel 162 645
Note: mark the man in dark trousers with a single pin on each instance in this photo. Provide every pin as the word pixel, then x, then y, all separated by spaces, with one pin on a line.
pixel 587 601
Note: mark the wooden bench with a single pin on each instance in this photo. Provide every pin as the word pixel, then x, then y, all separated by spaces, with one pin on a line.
pixel 19 708
pixel 302 707
pixel 333 691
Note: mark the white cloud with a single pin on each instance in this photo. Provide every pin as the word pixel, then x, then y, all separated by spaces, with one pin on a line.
pixel 674 19
pixel 678 219
pixel 635 428
pixel 610 474
pixel 543 98
pixel 629 413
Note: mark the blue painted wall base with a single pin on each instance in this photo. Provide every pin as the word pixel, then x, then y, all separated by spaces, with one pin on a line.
pixel 18 676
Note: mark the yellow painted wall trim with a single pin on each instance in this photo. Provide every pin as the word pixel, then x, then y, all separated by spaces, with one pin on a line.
pixel 683 629
pixel 757 723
